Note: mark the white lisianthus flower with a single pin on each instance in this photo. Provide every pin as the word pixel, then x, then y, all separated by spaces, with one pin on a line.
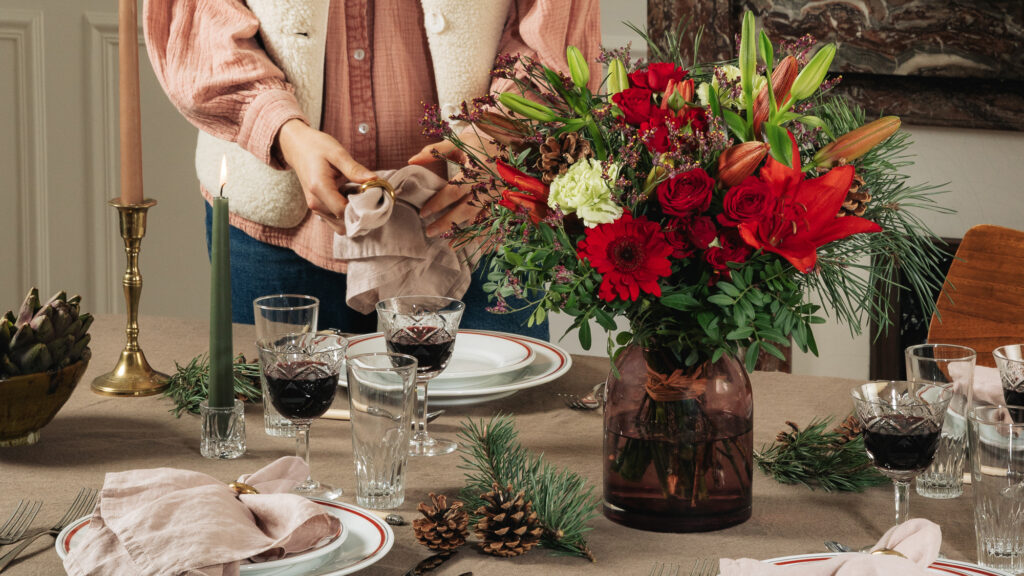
pixel 582 190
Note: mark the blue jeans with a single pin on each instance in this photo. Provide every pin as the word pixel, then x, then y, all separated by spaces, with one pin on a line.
pixel 258 269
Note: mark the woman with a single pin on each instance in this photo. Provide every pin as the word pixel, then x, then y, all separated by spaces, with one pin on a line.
pixel 331 90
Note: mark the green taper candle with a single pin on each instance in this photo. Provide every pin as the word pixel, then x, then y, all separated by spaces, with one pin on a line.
pixel 222 384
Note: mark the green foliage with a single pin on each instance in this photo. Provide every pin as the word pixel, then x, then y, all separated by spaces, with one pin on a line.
pixel 189 385
pixel 817 456
pixel 563 501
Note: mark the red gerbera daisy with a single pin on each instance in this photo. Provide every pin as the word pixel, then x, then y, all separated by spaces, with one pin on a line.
pixel 630 254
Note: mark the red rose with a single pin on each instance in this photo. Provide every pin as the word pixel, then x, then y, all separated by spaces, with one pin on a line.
pixel 752 200
pixel 702 231
pixel 656 76
pixel 660 130
pixel 731 249
pixel 695 117
pixel 686 193
pixel 677 234
pixel 635 103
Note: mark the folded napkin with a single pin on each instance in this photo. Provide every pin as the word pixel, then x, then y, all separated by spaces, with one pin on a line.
pixel 386 246
pixel 917 539
pixel 988 387
pixel 167 521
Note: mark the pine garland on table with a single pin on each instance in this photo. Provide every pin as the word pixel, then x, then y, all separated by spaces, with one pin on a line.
pixel 562 500
pixel 188 387
pixel 816 456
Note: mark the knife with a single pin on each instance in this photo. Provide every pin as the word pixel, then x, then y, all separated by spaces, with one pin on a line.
pixel 429 563
pixel 342 414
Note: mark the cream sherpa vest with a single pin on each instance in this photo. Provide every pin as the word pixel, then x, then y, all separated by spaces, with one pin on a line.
pixel 463 36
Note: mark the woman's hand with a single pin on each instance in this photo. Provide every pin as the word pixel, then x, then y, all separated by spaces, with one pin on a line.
pixel 453 201
pixel 323 166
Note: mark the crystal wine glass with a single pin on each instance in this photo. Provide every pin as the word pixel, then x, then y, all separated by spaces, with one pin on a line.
pixel 302 373
pixel 901 423
pixel 423 327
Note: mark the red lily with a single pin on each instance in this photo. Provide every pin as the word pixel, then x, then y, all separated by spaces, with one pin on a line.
pixel 532 194
pixel 806 214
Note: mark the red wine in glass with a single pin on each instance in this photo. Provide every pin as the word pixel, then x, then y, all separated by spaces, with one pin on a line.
pixel 900 443
pixel 301 390
pixel 430 346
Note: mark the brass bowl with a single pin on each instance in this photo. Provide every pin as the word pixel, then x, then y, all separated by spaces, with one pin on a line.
pixel 30 401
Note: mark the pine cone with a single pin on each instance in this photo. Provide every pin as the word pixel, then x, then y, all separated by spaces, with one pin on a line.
pixel 849 428
pixel 856 199
pixel 442 527
pixel 509 526
pixel 558 153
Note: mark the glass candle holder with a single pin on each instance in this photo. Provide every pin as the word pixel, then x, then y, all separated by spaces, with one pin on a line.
pixel 223 431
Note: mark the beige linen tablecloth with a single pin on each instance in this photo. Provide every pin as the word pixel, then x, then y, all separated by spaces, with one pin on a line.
pixel 95 434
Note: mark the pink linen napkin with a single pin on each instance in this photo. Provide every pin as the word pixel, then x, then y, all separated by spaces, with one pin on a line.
pixel 168 521
pixel 988 387
pixel 386 246
pixel 917 539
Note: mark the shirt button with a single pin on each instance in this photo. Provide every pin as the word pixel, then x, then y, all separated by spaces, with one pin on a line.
pixel 363 128
pixel 434 22
pixel 359 54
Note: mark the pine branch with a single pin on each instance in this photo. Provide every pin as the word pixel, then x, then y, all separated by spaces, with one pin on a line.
pixel 188 387
pixel 817 456
pixel 563 501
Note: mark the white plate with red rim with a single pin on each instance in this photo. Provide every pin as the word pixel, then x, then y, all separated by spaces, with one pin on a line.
pixel 941 566
pixel 549 362
pixel 477 354
pixel 364 539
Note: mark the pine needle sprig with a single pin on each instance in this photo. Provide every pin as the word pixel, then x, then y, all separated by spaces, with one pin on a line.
pixel 852 274
pixel 189 385
pixel 562 499
pixel 818 456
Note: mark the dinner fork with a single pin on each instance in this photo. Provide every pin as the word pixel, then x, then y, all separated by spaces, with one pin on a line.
pixel 662 569
pixel 83 504
pixel 19 521
pixel 589 401
pixel 704 567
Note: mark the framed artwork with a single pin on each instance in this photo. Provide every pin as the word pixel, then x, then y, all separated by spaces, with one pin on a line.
pixel 957 63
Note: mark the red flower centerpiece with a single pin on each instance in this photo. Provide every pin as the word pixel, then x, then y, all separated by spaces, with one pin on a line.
pixel 705 206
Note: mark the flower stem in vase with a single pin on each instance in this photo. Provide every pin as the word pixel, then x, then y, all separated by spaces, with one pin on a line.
pixel 676 460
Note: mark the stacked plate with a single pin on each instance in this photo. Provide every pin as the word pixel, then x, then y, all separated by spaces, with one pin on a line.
pixel 941 566
pixel 485 365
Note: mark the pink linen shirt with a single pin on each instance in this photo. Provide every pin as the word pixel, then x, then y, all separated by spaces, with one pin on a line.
pixel 209 62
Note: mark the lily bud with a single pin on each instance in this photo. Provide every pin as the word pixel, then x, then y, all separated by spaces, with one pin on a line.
pixel 813 74
pixel 618 80
pixel 782 81
pixel 525 107
pixel 656 176
pixel 857 143
pixel 579 71
pixel 740 161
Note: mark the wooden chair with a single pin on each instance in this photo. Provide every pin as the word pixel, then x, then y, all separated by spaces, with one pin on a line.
pixel 981 304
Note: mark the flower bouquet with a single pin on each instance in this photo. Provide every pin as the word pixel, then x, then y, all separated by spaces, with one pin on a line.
pixel 706 205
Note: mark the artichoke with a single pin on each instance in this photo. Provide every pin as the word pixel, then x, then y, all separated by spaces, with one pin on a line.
pixel 43 337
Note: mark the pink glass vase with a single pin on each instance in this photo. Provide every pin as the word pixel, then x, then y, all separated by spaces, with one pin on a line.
pixel 678 443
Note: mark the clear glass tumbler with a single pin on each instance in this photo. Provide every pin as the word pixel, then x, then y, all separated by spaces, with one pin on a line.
pixel 997 480
pixel 278 315
pixel 951 366
pixel 382 398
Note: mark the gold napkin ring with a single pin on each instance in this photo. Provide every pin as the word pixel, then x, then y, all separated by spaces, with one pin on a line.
pixel 888 551
pixel 242 488
pixel 379 183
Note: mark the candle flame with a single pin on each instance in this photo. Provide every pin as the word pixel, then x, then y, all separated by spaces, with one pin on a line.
pixel 223 171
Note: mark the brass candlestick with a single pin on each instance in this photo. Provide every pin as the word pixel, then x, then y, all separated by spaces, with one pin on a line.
pixel 133 376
